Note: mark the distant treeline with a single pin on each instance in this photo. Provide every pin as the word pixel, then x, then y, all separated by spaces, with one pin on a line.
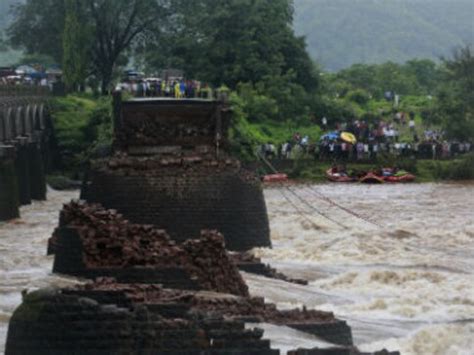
pixel 341 32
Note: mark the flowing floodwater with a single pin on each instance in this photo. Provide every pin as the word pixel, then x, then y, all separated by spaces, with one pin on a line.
pixel 407 285
pixel 23 260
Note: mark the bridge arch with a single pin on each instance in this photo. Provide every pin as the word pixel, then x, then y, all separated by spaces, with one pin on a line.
pixel 3 129
pixel 9 121
pixel 42 116
pixel 30 119
pixel 19 121
pixel 36 119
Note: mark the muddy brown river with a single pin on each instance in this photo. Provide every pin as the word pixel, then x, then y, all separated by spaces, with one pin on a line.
pixel 406 283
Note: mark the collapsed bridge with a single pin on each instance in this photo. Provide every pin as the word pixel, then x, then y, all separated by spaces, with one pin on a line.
pixel 171 169
pixel 155 289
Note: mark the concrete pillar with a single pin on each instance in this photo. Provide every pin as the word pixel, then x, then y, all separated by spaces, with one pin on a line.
pixel 23 171
pixel 9 198
pixel 37 176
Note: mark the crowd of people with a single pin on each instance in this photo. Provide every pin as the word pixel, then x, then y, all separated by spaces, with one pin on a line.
pixel 26 81
pixel 28 76
pixel 173 88
pixel 371 140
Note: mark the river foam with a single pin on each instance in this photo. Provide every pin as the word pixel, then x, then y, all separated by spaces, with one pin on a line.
pixel 24 264
pixel 406 285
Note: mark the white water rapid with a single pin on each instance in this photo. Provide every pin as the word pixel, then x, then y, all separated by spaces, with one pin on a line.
pixel 406 286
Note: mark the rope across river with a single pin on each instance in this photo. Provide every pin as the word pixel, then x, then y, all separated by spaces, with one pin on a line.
pixel 321 196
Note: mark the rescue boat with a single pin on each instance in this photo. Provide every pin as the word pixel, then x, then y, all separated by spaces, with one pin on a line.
pixel 334 176
pixel 401 178
pixel 271 178
pixel 371 178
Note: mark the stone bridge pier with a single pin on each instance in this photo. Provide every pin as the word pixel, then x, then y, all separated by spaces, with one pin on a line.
pixel 24 152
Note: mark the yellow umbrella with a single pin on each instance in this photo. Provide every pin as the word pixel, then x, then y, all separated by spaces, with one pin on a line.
pixel 348 137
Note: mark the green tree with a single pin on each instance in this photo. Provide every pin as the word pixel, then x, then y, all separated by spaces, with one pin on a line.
pixel 37 27
pixel 75 45
pixel 455 107
pixel 233 41
pixel 416 77
pixel 115 26
pixel 426 73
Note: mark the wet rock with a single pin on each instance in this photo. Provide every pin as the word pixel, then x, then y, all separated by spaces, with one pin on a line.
pixel 249 263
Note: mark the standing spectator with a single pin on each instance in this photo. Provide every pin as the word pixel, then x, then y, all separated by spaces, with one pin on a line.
pixel 403 119
pixel 305 142
pixel 366 151
pixel 344 152
pixel 177 90
pixel 165 89
pixel 182 89
pixel 375 149
pixel 360 150
pixel 297 138
pixel 324 122
pixel 332 146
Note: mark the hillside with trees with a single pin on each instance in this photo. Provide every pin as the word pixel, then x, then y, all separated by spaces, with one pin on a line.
pixel 340 33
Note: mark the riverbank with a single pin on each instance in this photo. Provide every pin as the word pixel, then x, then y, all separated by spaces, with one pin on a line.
pixel 83 128
pixel 314 171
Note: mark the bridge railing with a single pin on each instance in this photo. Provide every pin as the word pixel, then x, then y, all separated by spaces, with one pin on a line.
pixel 22 90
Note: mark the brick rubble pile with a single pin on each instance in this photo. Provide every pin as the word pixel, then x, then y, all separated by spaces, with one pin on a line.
pixel 229 306
pixel 110 241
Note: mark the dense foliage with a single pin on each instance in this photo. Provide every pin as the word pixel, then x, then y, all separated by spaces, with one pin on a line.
pixel 233 41
pixel 415 77
pixel 75 47
pixel 82 125
pixel 455 104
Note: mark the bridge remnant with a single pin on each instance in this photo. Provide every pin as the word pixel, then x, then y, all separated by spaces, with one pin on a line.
pixel 172 169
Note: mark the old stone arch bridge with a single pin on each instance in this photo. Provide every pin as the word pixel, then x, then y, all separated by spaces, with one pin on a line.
pixel 25 129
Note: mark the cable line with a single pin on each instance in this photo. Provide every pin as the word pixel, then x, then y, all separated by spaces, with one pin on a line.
pixel 323 197
pixel 345 209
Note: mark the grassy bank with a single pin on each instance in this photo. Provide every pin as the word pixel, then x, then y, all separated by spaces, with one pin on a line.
pixel 82 123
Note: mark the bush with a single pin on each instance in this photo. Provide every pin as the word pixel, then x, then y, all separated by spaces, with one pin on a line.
pixel 359 96
pixel 462 169
pixel 388 160
pixel 80 124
